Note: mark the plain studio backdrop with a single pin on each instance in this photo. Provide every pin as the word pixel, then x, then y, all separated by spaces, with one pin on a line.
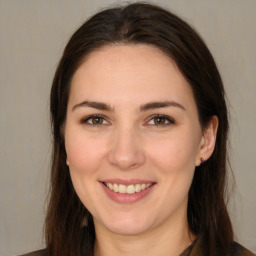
pixel 33 36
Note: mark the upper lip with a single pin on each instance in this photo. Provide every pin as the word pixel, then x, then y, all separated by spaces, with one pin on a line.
pixel 127 181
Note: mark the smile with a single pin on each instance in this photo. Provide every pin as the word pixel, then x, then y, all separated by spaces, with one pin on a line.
pixel 130 189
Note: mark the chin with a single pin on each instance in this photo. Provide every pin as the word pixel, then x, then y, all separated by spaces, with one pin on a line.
pixel 127 230
pixel 128 225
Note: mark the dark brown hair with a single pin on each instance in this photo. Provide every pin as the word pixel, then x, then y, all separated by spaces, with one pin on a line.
pixel 141 24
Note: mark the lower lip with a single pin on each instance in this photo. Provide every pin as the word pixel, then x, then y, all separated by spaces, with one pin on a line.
pixel 127 198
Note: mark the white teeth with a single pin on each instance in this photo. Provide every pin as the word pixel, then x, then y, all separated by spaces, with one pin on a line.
pixel 137 187
pixel 130 189
pixel 122 189
pixel 110 186
pixel 115 187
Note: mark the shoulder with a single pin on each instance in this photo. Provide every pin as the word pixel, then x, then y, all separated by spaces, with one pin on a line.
pixel 36 253
pixel 239 250
pixel 198 249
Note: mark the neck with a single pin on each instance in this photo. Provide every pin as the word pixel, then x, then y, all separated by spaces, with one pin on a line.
pixel 161 241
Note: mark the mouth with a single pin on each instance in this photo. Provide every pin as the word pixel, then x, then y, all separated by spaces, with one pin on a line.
pixel 127 189
pixel 127 192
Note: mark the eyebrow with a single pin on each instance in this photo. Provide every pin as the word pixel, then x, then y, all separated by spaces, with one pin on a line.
pixel 93 104
pixel 164 104
pixel 143 108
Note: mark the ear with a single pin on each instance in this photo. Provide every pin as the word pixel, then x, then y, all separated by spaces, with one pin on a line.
pixel 208 140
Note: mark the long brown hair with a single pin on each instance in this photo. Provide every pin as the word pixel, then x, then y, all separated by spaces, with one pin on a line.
pixel 141 23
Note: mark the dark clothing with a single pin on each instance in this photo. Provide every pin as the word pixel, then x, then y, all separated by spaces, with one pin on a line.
pixel 196 249
pixel 193 250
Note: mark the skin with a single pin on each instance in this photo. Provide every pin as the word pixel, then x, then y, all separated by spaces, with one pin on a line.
pixel 129 143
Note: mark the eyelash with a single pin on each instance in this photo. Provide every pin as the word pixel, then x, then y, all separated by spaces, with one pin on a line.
pixel 103 118
pixel 166 118
pixel 85 120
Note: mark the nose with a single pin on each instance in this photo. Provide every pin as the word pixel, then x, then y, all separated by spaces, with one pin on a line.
pixel 126 151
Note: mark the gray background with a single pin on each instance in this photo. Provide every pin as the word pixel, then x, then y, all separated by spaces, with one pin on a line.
pixel 33 35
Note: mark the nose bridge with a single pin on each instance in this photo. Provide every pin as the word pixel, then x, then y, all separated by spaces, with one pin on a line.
pixel 126 151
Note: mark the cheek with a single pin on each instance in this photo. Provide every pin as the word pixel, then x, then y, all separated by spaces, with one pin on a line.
pixel 85 157
pixel 84 153
pixel 174 154
pixel 174 160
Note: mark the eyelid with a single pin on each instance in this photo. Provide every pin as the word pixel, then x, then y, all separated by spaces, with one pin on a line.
pixel 85 119
pixel 170 120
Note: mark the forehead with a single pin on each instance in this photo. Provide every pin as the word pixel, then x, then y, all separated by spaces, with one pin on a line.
pixel 140 71
pixel 129 56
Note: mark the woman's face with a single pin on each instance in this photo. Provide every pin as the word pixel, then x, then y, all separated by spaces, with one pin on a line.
pixel 132 138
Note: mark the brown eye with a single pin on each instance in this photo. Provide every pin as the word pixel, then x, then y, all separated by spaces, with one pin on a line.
pixel 97 120
pixel 159 120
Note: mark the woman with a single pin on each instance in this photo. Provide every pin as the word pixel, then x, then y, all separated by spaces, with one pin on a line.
pixel 140 128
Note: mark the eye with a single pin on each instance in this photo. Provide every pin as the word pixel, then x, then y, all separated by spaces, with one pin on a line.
pixel 161 120
pixel 95 120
